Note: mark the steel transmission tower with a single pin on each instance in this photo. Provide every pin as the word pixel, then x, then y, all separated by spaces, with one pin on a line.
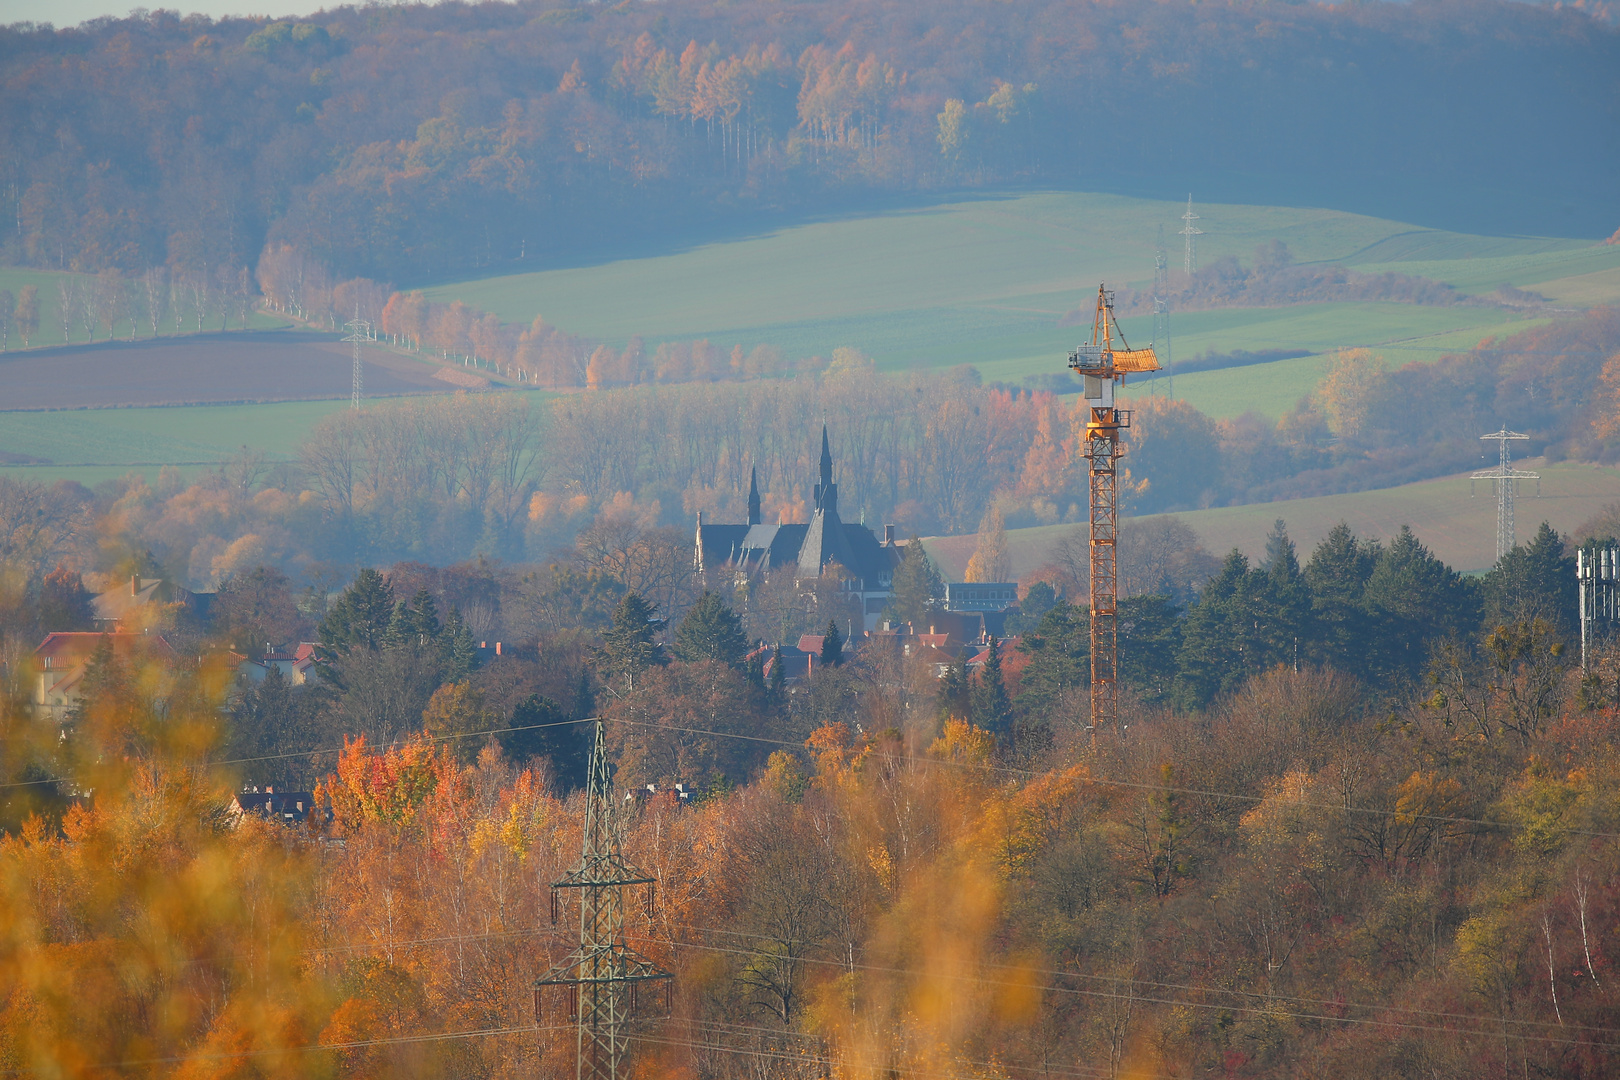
pixel 1190 231
pixel 604 975
pixel 1502 478
pixel 1161 317
pixel 1101 366
pixel 359 331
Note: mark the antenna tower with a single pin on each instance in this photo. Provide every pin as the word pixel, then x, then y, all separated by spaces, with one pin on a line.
pixel 1161 317
pixel 1101 366
pixel 1190 231
pixel 359 331
pixel 1502 478
pixel 1597 573
pixel 604 975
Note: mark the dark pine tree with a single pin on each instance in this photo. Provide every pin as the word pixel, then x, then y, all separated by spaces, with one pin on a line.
pixel 1415 601
pixel 711 631
pixel 952 697
pixel 1285 631
pixel 1337 577
pixel 458 653
pixel 992 708
pixel 630 645
pixel 1149 639
pixel 540 728
pixel 915 587
pixel 832 645
pixel 1059 651
pixel 1534 581
pixel 359 618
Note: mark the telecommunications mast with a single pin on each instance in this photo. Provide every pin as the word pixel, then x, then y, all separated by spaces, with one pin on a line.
pixel 1101 366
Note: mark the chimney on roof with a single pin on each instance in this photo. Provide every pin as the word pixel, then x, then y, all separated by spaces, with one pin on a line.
pixel 135 585
pixel 888 536
pixel 497 648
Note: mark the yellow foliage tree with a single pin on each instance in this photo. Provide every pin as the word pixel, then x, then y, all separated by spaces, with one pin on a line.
pixel 990 561
pixel 1346 391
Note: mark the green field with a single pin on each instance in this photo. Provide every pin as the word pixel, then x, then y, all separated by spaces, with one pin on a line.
pixel 984 282
pixel 92 445
pixel 1454 516
pixel 981 281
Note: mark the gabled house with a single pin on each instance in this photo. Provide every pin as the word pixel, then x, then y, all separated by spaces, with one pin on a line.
pixel 63 658
pixel 128 606
pixel 287 807
pixel 295 662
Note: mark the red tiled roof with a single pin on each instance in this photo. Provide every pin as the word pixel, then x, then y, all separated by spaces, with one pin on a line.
pixel 75 646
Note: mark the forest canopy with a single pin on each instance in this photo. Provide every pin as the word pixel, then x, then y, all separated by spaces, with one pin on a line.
pixel 418 142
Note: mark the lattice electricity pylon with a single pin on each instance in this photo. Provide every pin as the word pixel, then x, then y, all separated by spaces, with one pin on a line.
pixel 1502 479
pixel 359 331
pixel 603 976
pixel 1190 231
pixel 1100 366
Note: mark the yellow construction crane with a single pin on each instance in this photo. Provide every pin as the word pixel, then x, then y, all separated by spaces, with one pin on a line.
pixel 1101 366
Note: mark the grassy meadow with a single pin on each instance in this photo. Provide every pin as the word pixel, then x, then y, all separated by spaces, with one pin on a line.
pixel 981 281
pixel 92 445
pixel 985 281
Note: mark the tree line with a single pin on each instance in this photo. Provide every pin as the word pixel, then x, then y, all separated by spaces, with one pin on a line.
pixel 431 144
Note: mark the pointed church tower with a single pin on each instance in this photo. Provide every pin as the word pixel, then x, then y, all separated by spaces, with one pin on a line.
pixel 754 515
pixel 826 492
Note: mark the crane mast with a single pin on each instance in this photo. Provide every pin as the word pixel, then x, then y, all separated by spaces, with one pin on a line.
pixel 1102 367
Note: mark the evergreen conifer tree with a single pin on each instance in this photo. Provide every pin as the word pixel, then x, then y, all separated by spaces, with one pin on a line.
pixel 1059 651
pixel 916 586
pixel 1337 577
pixel 952 697
pixel 1149 639
pixel 630 645
pixel 832 645
pixel 711 631
pixel 1534 580
pixel 1415 601
pixel 425 618
pixel 359 618
pixel 542 730
pixel 992 708
pixel 1219 637
pixel 458 654
pixel 1285 603
pixel 778 679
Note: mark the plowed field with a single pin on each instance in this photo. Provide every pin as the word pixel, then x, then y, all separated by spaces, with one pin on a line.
pixel 204 369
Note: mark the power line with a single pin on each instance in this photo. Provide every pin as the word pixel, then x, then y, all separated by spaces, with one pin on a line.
pixel 1008 770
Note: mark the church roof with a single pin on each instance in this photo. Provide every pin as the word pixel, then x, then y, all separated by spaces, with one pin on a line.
pixel 812 546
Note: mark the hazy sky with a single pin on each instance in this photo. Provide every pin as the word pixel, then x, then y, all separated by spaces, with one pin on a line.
pixel 73 12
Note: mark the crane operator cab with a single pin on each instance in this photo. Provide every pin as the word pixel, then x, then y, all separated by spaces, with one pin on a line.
pixel 1101 363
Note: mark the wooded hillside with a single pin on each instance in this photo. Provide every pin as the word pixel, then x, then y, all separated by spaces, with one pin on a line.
pixel 409 143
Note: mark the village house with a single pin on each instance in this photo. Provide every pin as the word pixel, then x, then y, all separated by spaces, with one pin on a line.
pixel 63 658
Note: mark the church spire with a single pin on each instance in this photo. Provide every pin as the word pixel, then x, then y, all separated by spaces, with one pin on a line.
pixel 754 515
pixel 826 492
pixel 826 458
